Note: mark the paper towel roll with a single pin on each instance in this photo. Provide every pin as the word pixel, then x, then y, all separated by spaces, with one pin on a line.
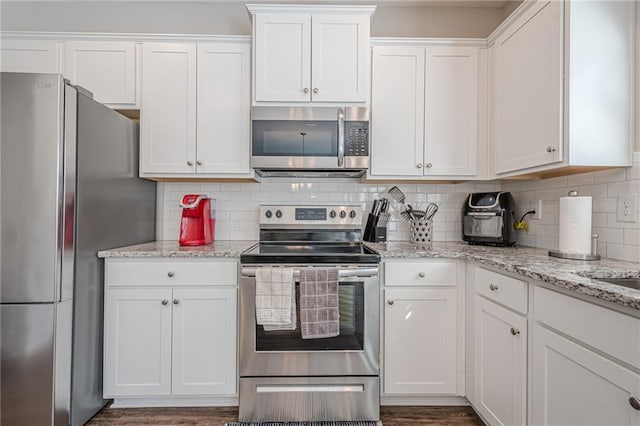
pixel 575 225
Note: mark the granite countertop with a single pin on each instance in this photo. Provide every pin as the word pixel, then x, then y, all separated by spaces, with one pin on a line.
pixel 536 264
pixel 532 263
pixel 173 249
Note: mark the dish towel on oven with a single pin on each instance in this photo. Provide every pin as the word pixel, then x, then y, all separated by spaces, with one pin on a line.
pixel 319 313
pixel 275 298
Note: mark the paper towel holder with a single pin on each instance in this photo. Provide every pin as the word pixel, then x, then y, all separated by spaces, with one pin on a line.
pixel 577 256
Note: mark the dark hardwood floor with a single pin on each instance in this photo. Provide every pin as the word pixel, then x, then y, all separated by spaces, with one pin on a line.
pixel 218 416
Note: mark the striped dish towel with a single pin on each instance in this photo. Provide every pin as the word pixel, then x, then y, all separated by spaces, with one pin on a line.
pixel 275 298
pixel 319 311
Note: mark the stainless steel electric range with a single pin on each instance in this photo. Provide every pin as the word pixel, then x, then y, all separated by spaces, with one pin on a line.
pixel 284 377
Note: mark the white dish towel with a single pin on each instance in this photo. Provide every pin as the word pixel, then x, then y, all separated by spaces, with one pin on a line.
pixel 275 298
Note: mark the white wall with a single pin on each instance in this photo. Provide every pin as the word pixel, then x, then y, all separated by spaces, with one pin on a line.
pixel 232 19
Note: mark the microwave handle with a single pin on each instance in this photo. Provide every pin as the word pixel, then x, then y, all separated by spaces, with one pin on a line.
pixel 340 137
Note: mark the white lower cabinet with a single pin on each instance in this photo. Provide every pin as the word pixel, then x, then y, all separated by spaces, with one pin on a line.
pixel 575 386
pixel 421 329
pixel 170 339
pixel 500 364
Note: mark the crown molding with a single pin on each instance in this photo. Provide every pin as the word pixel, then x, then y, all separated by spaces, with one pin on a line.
pixel 311 8
pixel 137 37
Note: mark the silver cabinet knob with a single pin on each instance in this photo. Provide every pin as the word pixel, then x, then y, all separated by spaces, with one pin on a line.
pixel 515 331
pixel 165 301
pixel 428 165
pixel 419 165
pixel 315 90
pixel 199 162
pixel 189 163
pixel 305 90
pixel 634 403
pixel 176 301
pixel 390 302
pixel 171 274
pixel 421 274
pixel 551 149
pixel 493 287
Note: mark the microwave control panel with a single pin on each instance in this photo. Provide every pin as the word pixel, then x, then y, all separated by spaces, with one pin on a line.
pixel 356 138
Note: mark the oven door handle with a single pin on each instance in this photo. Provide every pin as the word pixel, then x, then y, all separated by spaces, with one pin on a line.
pixel 342 273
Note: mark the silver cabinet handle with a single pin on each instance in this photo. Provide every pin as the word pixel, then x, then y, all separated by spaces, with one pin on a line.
pixel 634 403
pixel 493 287
pixel 315 90
pixel 421 274
pixel 171 274
pixel 429 165
pixel 551 149
pixel 176 301
pixel 419 165
pixel 305 90
pixel 199 162
pixel 189 163
pixel 515 331
pixel 165 301
pixel 390 302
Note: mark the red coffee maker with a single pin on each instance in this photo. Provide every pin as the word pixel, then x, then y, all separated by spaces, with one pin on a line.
pixel 196 224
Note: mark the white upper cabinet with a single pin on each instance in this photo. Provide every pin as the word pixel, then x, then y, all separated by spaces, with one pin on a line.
pixel 451 111
pixel 397 111
pixel 308 54
pixel 424 111
pixel 168 109
pixel 282 57
pixel 195 114
pixel 30 56
pixel 224 108
pixel 106 68
pixel 562 87
pixel 527 62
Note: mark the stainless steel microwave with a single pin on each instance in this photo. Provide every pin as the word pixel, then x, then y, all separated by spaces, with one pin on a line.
pixel 310 141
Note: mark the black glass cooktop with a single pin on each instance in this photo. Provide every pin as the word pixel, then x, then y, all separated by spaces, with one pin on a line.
pixel 297 252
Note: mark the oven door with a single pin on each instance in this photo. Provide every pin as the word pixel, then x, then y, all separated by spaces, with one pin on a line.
pixel 284 353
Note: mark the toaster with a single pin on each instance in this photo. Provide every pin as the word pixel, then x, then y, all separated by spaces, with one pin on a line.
pixel 488 217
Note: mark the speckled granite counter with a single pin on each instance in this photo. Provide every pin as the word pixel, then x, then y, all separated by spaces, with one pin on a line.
pixel 173 249
pixel 535 264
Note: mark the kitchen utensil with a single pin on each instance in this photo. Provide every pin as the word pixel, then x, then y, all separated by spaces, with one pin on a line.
pixel 431 211
pixel 383 219
pixel 394 193
pixel 410 214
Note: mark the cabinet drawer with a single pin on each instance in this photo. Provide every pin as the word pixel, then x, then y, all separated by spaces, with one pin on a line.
pixel 505 290
pixel 441 273
pixel 170 272
pixel 609 331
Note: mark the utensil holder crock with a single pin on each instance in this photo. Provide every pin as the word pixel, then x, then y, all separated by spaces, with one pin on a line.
pixel 421 231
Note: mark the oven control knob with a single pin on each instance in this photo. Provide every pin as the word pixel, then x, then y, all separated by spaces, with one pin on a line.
pixel 333 214
pixel 352 214
pixel 343 214
pixel 268 214
pixel 278 214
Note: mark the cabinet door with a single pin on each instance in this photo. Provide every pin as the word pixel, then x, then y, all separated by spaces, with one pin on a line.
pixel 397 111
pixel 420 338
pixel 204 341
pixel 340 60
pixel 223 108
pixel 29 56
pixel 282 57
pixel 137 342
pixel 527 61
pixel 106 68
pixel 168 109
pixel 574 386
pixel 451 112
pixel 500 364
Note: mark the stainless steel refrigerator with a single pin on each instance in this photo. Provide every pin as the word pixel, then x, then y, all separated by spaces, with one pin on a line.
pixel 69 187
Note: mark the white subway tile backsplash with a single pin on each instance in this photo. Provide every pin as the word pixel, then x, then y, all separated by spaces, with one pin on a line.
pixel 237 205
